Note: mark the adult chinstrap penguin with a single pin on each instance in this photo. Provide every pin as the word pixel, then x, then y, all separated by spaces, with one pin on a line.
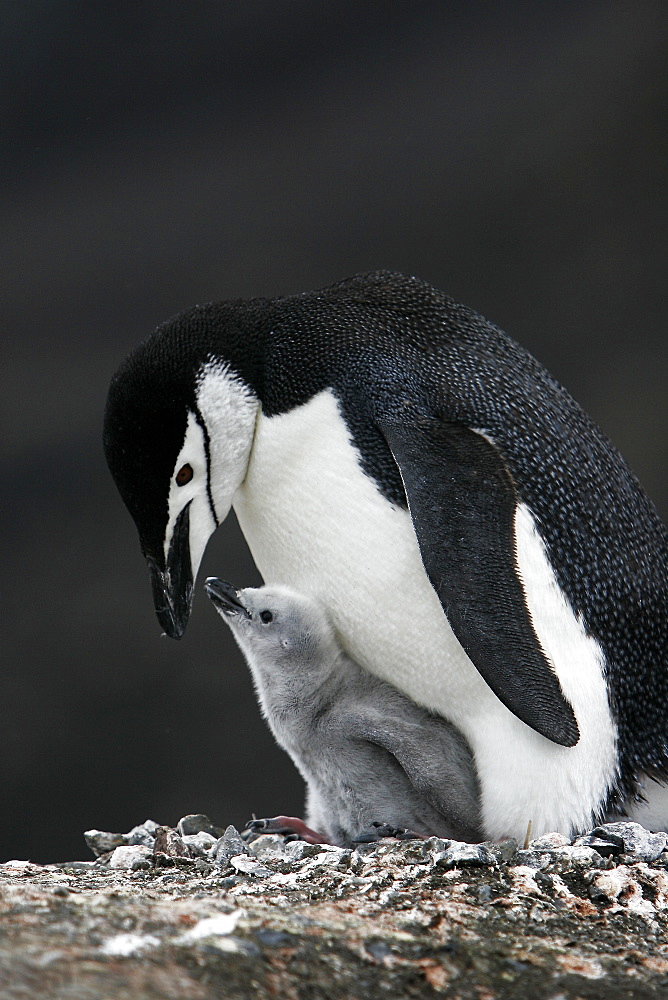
pixel 475 538
pixel 371 758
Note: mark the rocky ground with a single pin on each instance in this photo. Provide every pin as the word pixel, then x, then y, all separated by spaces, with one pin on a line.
pixel 194 913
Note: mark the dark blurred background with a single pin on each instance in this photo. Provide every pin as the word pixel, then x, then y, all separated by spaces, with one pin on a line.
pixel 155 155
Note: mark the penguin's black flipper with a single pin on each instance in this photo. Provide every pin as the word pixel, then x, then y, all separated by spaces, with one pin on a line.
pixel 462 500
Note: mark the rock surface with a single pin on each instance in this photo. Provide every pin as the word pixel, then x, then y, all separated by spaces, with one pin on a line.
pixel 185 918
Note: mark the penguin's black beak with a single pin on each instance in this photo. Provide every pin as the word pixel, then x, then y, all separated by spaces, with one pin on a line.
pixel 173 587
pixel 224 596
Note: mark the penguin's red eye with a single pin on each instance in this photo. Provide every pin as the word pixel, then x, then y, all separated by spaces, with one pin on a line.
pixel 266 617
pixel 184 475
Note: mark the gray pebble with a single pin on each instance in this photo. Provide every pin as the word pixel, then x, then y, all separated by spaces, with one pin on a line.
pixel 229 882
pixel 378 949
pixel 467 855
pixel 75 865
pixel 196 823
pixel 330 855
pixel 168 842
pixel 200 844
pixel 249 866
pixel 577 854
pixel 433 845
pixel 419 850
pixel 605 846
pixel 628 838
pixel 532 859
pixel 143 834
pixel 505 851
pixel 270 938
pixel 297 850
pixel 101 841
pixel 268 845
pixel 229 846
pixel 129 855
pixel 549 842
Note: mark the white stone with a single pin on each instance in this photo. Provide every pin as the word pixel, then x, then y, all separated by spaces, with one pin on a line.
pixel 127 856
pixel 269 845
pixel 221 924
pixel 249 866
pixel 202 842
pixel 549 842
pixel 578 855
pixel 123 945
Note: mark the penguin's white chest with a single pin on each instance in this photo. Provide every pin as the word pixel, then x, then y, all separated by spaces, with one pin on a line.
pixel 315 521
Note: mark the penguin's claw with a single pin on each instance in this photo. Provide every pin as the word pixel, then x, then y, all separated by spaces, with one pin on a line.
pixel 377 831
pixel 291 827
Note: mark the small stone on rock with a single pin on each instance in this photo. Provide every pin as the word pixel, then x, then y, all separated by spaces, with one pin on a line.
pixel 505 851
pixel 434 844
pixel 143 834
pixel 606 846
pixel 297 850
pixel 249 866
pixel 271 938
pixel 219 925
pixel 620 888
pixel 484 893
pixel 268 845
pixel 229 846
pixel 549 841
pixel 629 838
pixel 196 823
pixel 101 841
pixel 469 855
pixel 131 856
pixel 578 854
pixel 532 859
pixel 82 866
pixel 167 841
pixel 125 945
pixel 200 844
pixel 416 850
pixel 378 949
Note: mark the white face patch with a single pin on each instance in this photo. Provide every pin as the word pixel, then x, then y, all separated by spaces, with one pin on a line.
pixel 228 410
pixel 195 491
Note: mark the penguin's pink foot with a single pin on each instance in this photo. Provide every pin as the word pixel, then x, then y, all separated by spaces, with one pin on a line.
pixel 288 825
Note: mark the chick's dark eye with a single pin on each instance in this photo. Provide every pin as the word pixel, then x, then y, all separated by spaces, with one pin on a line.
pixel 184 475
pixel 266 616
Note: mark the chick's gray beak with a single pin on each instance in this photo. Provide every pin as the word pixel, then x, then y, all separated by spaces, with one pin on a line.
pixel 173 586
pixel 225 597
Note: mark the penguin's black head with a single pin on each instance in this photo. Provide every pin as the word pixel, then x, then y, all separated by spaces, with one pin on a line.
pixel 144 428
pixel 145 423
pixel 177 434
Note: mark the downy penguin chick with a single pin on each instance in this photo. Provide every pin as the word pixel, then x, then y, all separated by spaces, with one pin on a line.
pixel 367 753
